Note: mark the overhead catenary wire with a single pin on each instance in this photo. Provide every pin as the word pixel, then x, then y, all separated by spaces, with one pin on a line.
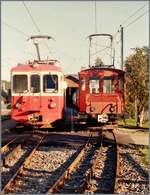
pixel 132 22
pixel 133 14
pixel 35 24
pixel 16 29
pixel 33 21
pixel 136 19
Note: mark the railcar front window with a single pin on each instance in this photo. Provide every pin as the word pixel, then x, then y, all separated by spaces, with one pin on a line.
pixel 50 83
pixel 94 85
pixel 108 85
pixel 20 84
pixel 35 84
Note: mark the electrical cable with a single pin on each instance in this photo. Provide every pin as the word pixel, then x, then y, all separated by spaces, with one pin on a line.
pixel 131 17
pixel 136 19
pixel 16 29
pixel 36 26
pixel 133 14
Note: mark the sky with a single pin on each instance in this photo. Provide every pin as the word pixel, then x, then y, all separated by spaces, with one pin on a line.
pixel 69 23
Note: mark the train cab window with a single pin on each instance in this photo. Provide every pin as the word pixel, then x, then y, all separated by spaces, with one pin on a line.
pixel 35 83
pixel 94 85
pixel 20 84
pixel 83 84
pixel 120 84
pixel 50 83
pixel 108 86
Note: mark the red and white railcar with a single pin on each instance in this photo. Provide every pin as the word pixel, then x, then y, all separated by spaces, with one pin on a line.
pixel 38 91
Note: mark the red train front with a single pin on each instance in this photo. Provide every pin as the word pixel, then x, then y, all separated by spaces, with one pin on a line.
pixel 101 86
pixel 101 94
pixel 38 91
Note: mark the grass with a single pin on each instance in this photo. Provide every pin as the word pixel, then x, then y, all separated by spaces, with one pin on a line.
pixel 131 123
pixel 145 152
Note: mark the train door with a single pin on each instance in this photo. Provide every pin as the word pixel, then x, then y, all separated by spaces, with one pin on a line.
pixel 35 90
pixel 93 97
pixel 82 95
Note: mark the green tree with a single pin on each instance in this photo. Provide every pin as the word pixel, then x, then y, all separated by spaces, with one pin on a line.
pixel 137 84
pixel 99 62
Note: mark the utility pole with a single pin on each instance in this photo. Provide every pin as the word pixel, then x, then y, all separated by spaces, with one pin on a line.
pixel 121 47
pixel 90 52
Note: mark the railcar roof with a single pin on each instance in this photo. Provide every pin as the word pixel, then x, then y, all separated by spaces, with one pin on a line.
pixel 111 68
pixel 38 66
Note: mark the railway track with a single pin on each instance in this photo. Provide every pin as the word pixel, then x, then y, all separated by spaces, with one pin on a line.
pixel 105 169
pixel 79 177
pixel 73 173
pixel 16 155
pixel 48 167
pixel 33 162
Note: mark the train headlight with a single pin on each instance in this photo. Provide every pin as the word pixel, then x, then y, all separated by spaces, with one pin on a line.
pixel 52 105
pixel 18 105
pixel 92 109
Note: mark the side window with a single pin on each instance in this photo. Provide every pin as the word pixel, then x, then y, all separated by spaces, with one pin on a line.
pixel 94 85
pixel 35 83
pixel 83 85
pixel 108 86
pixel 50 83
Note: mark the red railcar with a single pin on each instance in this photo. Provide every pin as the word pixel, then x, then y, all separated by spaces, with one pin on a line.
pixel 38 95
pixel 101 87
pixel 38 92
pixel 101 94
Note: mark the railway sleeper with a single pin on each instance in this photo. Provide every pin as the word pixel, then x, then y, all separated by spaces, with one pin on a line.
pixel 76 185
pixel 10 156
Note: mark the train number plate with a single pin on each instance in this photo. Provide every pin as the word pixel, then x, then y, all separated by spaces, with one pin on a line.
pixel 102 118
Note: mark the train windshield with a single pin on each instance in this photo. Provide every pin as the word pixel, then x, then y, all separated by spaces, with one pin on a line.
pixel 94 85
pixel 108 85
pixel 50 83
pixel 35 83
pixel 20 84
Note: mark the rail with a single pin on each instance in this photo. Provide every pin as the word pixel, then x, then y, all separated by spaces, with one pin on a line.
pixel 66 175
pixel 7 187
pixel 6 147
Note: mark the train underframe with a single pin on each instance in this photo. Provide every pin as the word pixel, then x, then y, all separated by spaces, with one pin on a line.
pixel 99 119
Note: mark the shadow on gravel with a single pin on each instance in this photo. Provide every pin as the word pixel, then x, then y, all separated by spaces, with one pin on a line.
pixel 105 184
pixel 135 165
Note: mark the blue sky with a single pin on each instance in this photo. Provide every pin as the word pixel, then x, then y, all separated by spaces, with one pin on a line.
pixel 69 23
